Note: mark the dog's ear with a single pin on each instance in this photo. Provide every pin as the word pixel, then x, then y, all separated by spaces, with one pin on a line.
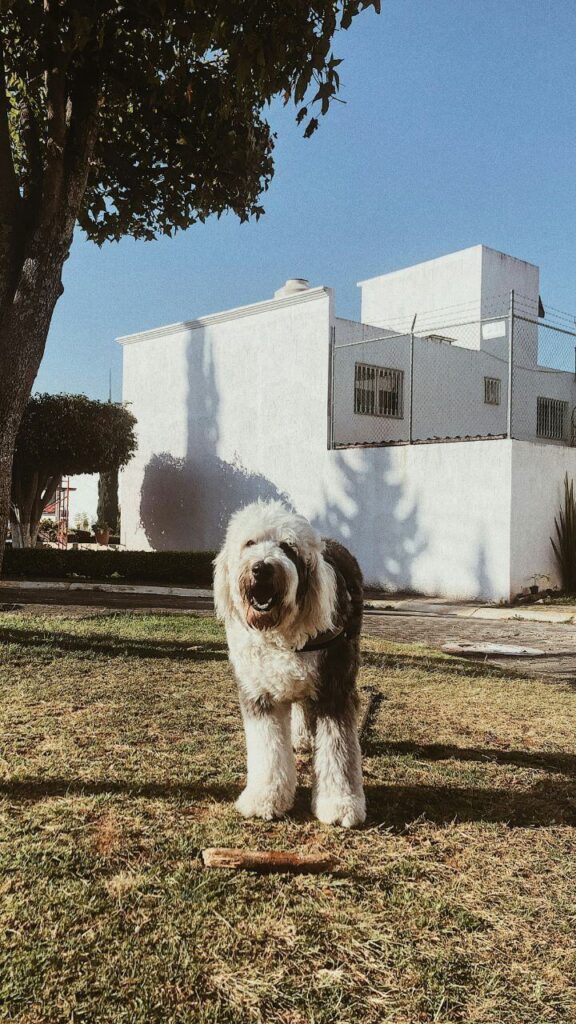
pixel 222 594
pixel 319 604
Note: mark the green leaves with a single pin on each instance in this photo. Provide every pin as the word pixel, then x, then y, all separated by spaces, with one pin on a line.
pixel 565 544
pixel 67 434
pixel 182 86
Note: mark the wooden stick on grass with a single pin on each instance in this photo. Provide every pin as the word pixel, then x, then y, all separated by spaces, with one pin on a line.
pixel 267 860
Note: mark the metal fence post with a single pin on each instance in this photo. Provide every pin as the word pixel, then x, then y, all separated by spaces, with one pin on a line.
pixel 510 363
pixel 411 420
pixel 331 347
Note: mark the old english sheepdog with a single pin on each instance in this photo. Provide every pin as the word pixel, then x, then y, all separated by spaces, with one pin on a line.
pixel 292 605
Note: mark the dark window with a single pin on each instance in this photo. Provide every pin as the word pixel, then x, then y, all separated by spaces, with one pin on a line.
pixel 378 391
pixel 492 390
pixel 550 418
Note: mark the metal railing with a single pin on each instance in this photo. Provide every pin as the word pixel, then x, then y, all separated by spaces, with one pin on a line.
pixel 507 374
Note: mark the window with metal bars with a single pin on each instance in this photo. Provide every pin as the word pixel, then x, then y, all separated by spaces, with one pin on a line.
pixel 551 418
pixel 492 390
pixel 378 391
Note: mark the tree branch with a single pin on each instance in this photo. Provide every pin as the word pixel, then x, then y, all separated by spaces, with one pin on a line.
pixel 45 495
pixel 30 134
pixel 82 116
pixel 8 181
pixel 55 82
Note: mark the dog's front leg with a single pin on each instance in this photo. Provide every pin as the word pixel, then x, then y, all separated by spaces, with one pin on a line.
pixel 271 769
pixel 302 728
pixel 338 793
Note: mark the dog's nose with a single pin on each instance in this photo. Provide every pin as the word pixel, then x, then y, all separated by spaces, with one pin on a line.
pixel 262 570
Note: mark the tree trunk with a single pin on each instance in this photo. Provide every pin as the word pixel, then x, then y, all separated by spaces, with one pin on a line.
pixel 108 511
pixel 21 533
pixel 24 325
pixel 7 440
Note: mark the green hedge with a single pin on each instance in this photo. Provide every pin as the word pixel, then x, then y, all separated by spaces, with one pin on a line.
pixel 191 568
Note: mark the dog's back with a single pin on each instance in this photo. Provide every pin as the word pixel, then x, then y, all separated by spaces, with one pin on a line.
pixel 349 591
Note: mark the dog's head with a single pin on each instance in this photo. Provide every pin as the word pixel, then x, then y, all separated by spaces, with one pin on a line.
pixel 271 573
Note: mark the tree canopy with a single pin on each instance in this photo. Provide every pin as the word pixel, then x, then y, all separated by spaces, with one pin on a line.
pixel 63 435
pixel 174 90
pixel 136 118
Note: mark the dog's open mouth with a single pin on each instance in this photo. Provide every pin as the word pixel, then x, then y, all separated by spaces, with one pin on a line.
pixel 262 597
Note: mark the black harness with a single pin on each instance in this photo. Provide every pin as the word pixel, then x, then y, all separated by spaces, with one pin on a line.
pixel 322 641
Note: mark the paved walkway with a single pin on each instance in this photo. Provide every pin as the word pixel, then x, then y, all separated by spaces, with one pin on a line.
pixel 558 640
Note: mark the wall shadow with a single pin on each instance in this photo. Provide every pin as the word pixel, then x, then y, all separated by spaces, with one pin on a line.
pixel 370 516
pixel 186 502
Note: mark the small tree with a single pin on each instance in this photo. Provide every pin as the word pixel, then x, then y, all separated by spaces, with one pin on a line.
pixel 108 512
pixel 61 435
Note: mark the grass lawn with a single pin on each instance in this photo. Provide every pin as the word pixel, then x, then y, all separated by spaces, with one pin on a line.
pixel 121 755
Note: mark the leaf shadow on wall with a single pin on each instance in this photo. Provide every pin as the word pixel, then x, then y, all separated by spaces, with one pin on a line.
pixel 370 516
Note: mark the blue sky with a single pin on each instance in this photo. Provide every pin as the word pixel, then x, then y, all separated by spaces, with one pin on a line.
pixel 458 129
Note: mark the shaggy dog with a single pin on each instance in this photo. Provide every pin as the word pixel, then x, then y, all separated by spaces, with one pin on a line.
pixel 292 605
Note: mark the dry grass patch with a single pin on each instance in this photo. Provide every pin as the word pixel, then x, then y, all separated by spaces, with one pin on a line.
pixel 121 755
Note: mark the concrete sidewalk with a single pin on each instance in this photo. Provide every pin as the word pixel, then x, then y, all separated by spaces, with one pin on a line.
pixel 472 610
pixel 418 606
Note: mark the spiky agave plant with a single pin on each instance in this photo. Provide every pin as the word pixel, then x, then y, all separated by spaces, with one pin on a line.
pixel 565 544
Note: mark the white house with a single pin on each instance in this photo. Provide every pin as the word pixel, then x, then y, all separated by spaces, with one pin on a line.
pixel 399 434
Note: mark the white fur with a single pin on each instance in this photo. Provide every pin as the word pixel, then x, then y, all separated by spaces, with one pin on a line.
pixel 301 732
pixel 338 793
pixel 268 665
pixel 271 774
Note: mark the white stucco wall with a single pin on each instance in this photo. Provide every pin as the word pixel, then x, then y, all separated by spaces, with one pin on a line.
pixel 458 289
pixel 538 472
pixel 450 283
pixel 229 408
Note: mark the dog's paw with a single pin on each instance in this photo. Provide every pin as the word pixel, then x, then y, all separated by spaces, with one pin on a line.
pixel 346 810
pixel 264 803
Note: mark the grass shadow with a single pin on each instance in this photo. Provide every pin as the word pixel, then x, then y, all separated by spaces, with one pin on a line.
pixel 391 806
pixel 112 646
pixel 549 761
pixel 397 806
pixel 432 664
pixel 36 789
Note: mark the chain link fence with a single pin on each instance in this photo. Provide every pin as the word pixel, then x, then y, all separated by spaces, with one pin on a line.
pixel 508 374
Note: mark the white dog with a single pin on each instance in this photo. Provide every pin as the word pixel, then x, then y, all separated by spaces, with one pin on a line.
pixel 292 605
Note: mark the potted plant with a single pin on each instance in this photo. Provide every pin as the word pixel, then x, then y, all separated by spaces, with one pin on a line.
pixel 102 533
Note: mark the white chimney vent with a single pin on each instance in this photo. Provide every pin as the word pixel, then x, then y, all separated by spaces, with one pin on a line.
pixel 292 287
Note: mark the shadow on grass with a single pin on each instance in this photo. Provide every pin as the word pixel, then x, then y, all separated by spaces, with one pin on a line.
pixel 391 806
pixel 434 665
pixel 549 761
pixel 41 789
pixel 112 646
pixel 547 803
